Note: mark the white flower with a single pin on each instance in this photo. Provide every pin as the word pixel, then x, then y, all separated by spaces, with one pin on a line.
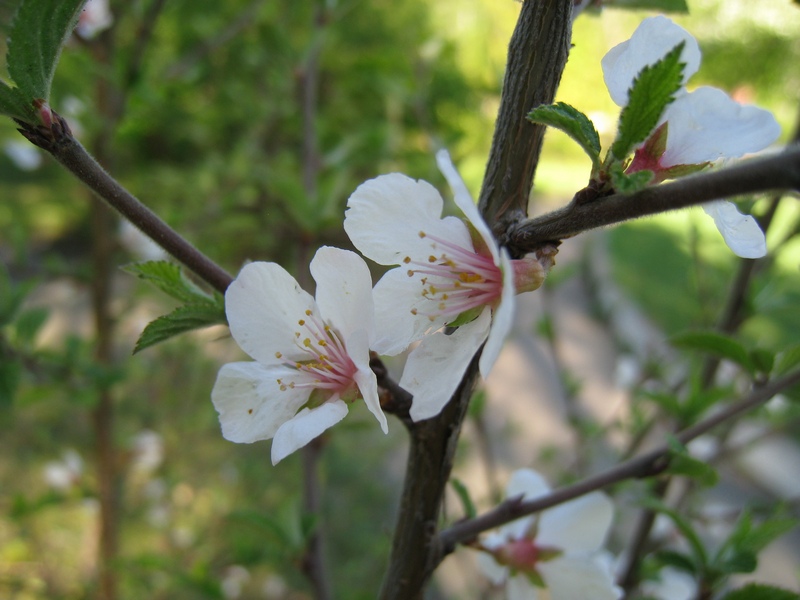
pixel 24 155
pixel 556 555
pixel 312 356
pixel 700 126
pixel 95 17
pixel 62 475
pixel 450 272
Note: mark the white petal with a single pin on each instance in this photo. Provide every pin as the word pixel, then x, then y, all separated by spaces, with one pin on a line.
pixel 396 295
pixel 741 232
pixel 494 572
pixel 530 485
pixel 502 317
pixel 304 427
pixel 463 200
pixel 344 290
pixel 385 216
pixel 435 367
pixel 520 587
pixel 358 350
pixel 250 404
pixel 578 578
pixel 263 305
pixel 706 125
pixel 653 39
pixel 580 525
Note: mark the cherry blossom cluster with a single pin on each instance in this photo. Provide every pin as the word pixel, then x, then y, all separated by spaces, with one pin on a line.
pixel 450 292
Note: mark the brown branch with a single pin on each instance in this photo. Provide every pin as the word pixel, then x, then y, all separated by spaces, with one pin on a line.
pixel 777 172
pixel 537 56
pixel 58 141
pixel 646 465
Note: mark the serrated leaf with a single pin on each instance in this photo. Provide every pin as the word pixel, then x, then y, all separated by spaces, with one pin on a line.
pixel 787 360
pixel 678 6
pixel 14 105
pixel 572 122
pixel 742 561
pixel 759 591
pixel 652 90
pixel 466 500
pixel 169 278
pixel 184 318
pixel 715 344
pixel 38 32
pixel 628 184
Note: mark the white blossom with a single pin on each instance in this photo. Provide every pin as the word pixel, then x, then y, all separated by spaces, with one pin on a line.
pixel 311 355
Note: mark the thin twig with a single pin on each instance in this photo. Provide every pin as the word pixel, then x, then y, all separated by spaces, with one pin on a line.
pixel 645 465
pixel 777 172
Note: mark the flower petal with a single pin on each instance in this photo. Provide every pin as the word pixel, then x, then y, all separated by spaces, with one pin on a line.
pixel 653 40
pixel 263 305
pixel 530 485
pixel 741 232
pixel 396 296
pixel 250 404
pixel 519 587
pixel 385 216
pixel 463 200
pixel 304 427
pixel 435 367
pixel 578 578
pixel 344 290
pixel 706 125
pixel 358 350
pixel 579 525
pixel 494 572
pixel 502 317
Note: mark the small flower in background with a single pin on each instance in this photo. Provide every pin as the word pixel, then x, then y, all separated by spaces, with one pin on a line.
pixel 95 17
pixel 698 128
pixel 234 580
pixel 312 356
pixel 24 155
pixel 449 273
pixel 555 555
pixel 62 475
pixel 148 451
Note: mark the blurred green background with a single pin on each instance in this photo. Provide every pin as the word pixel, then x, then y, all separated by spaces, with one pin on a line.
pixel 214 137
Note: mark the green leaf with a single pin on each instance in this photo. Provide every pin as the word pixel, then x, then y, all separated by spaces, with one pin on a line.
pixel 10 374
pixel 652 90
pixel 180 320
pixel 628 184
pixel 742 561
pixel 28 323
pixel 572 122
pixel 715 344
pixel 759 591
pixel 700 557
pixel 763 359
pixel 679 6
pixel 169 278
pixel 14 105
pixel 39 30
pixel 466 500
pixel 683 463
pixel 676 560
pixel 787 360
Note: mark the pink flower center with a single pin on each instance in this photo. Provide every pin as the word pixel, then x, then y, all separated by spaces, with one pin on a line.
pixel 328 365
pixel 455 279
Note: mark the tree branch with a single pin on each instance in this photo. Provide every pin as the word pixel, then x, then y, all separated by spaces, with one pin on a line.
pixel 537 56
pixel 57 139
pixel 646 465
pixel 778 172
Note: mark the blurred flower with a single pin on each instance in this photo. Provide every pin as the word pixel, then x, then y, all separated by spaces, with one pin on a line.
pixel 23 154
pixel 62 475
pixel 312 356
pixel 235 578
pixel 95 17
pixel 450 273
pixel 556 554
pixel 697 128
pixel 148 451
